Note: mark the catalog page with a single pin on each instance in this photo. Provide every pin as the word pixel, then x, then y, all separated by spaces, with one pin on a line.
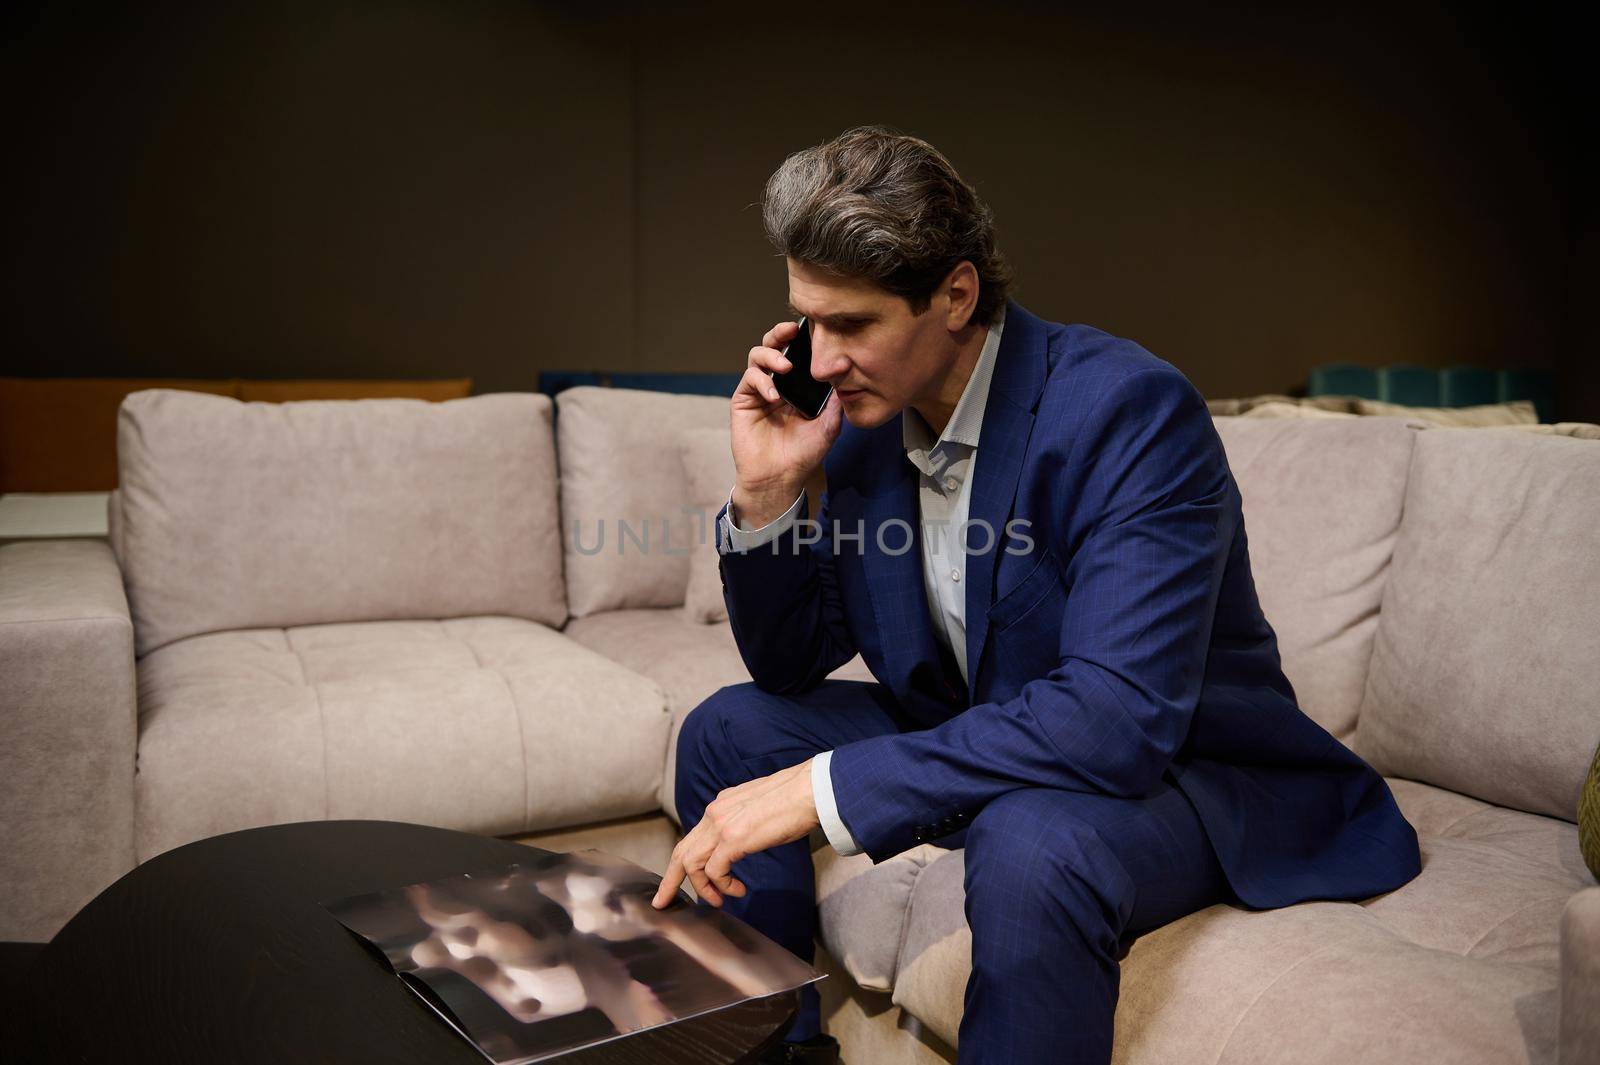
pixel 564 951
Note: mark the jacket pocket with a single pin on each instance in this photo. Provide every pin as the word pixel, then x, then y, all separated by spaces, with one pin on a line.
pixel 1041 586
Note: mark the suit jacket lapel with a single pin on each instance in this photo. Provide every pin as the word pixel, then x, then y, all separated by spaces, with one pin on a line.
pixel 894 576
pixel 1019 375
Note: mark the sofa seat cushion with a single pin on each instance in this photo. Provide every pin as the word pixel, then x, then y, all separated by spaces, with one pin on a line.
pixel 1465 956
pixel 489 724
pixel 688 659
pixel 862 909
pixel 1493 882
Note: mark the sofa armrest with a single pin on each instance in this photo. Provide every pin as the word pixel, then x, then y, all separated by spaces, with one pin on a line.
pixel 68 730
pixel 1580 979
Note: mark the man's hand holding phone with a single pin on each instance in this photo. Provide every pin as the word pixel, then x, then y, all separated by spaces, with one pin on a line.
pixel 775 447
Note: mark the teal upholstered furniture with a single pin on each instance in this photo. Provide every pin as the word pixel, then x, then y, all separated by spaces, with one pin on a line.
pixel 1425 386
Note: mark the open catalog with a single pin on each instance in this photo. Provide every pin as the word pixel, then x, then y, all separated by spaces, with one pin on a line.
pixel 564 951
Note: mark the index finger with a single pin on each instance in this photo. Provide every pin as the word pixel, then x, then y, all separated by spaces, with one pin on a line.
pixel 780 334
pixel 669 883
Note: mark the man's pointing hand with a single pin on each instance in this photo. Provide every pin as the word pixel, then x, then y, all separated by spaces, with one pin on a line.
pixel 746 819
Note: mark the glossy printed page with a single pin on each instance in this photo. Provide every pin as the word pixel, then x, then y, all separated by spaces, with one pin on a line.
pixel 564 951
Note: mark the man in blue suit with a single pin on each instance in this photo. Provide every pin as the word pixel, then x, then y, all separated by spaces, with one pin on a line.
pixel 1031 535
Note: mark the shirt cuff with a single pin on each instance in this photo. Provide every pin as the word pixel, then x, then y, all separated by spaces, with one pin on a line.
pixel 738 538
pixel 827 810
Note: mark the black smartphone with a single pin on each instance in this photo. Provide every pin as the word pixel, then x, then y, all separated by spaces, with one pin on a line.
pixel 804 393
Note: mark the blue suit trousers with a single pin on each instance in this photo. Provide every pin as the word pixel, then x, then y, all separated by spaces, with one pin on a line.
pixel 1058 883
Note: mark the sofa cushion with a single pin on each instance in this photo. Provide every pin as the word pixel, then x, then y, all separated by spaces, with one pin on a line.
pixel 1516 412
pixel 689 660
pixel 247 515
pixel 67 739
pixel 1465 956
pixel 1321 509
pixel 492 725
pixel 1293 410
pixel 708 469
pixel 1580 976
pixel 1493 880
pixel 1581 430
pixel 862 908
pixel 1487 657
pixel 626 524
pixel 1324 984
pixel 1245 404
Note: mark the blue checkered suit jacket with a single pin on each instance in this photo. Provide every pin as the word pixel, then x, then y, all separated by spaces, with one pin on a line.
pixel 1123 644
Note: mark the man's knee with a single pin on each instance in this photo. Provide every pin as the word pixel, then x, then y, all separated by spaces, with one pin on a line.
pixel 705 728
pixel 711 747
pixel 1029 860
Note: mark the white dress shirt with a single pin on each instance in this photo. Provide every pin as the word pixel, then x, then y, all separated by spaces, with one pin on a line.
pixel 945 489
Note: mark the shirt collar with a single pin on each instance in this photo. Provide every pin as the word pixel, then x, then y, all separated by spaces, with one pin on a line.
pixel 967 419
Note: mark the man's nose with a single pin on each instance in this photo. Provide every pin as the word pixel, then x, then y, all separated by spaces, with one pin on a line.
pixel 827 361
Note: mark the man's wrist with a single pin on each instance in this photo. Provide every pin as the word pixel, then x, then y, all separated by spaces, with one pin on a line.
pixel 758 509
pixel 827 806
pixel 735 536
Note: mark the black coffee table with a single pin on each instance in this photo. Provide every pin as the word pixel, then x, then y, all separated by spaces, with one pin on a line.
pixel 221 951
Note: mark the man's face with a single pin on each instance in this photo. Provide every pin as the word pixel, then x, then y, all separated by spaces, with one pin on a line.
pixel 865 342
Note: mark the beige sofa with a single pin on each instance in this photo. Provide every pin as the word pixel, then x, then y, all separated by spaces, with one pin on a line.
pixel 393 609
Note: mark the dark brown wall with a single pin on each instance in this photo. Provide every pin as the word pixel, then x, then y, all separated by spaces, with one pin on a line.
pixel 1580 350
pixel 1579 365
pixel 1247 200
pixel 341 189
pixel 394 190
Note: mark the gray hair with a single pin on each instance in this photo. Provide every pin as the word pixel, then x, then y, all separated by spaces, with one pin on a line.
pixel 888 208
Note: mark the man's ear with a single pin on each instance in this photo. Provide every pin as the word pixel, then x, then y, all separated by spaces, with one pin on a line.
pixel 961 289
